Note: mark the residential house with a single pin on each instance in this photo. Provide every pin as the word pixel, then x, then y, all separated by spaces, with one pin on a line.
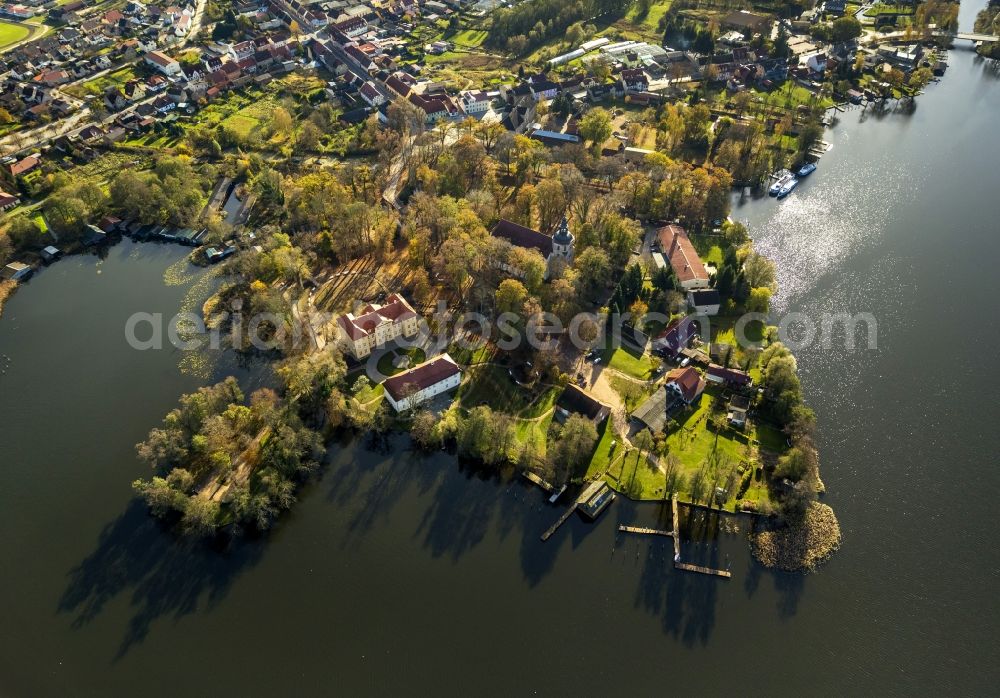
pixel 633 80
pixel 704 301
pixel 421 383
pixel 576 401
pixel 375 325
pixel 476 101
pixel 728 376
pixel 683 386
pixel 371 95
pixel 676 336
pixel 747 23
pixel 8 201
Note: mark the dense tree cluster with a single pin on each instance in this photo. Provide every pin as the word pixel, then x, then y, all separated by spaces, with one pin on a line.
pixel 173 192
pixel 529 24
pixel 221 459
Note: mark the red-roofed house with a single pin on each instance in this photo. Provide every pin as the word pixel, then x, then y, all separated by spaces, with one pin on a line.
pixel 376 325
pixel 421 383
pixel 684 260
pixel 8 200
pixel 25 165
pixel 685 383
pixel 728 376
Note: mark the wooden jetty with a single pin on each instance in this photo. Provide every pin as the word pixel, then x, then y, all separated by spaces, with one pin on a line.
pixel 644 531
pixel 677 529
pixel 560 521
pixel 594 499
pixel 533 477
pixel 676 535
pixel 703 570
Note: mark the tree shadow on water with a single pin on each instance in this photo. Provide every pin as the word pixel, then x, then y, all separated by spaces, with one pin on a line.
pixel 162 574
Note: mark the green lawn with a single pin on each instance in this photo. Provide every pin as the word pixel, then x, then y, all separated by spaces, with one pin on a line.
pixel 881 8
pixel 370 393
pixel 604 452
pixel 12 33
pixel 241 124
pixel 630 361
pixel 385 363
pixel 470 38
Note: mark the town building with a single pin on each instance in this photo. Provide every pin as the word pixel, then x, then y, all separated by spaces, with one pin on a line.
pixel 683 258
pixel 375 325
pixel 8 201
pixel 163 63
pixel 421 383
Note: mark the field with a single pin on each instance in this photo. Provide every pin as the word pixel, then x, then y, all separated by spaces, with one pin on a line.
pixel 12 33
pixel 644 27
pixel 885 9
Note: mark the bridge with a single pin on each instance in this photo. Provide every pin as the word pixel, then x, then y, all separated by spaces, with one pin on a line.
pixel 968 36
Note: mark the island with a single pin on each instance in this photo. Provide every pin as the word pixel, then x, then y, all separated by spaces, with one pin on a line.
pixel 503 230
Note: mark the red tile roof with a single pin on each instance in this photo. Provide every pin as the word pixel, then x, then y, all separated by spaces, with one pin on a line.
pixel 421 377
pixel 729 375
pixel 24 166
pixel 688 380
pixel 396 309
pixel 683 258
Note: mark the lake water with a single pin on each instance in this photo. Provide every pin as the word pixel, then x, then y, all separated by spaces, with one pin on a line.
pixel 397 573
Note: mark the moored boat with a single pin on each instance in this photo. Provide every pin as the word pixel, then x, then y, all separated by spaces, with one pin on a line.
pixel 787 187
pixel 780 182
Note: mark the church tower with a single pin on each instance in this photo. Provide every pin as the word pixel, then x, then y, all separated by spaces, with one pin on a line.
pixel 562 241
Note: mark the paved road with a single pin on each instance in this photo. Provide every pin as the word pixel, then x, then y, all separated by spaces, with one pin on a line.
pixel 24 141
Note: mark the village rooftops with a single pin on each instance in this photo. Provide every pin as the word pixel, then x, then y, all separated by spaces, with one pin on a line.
pixel 746 21
pixel 421 377
pixel 25 165
pixel 520 236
